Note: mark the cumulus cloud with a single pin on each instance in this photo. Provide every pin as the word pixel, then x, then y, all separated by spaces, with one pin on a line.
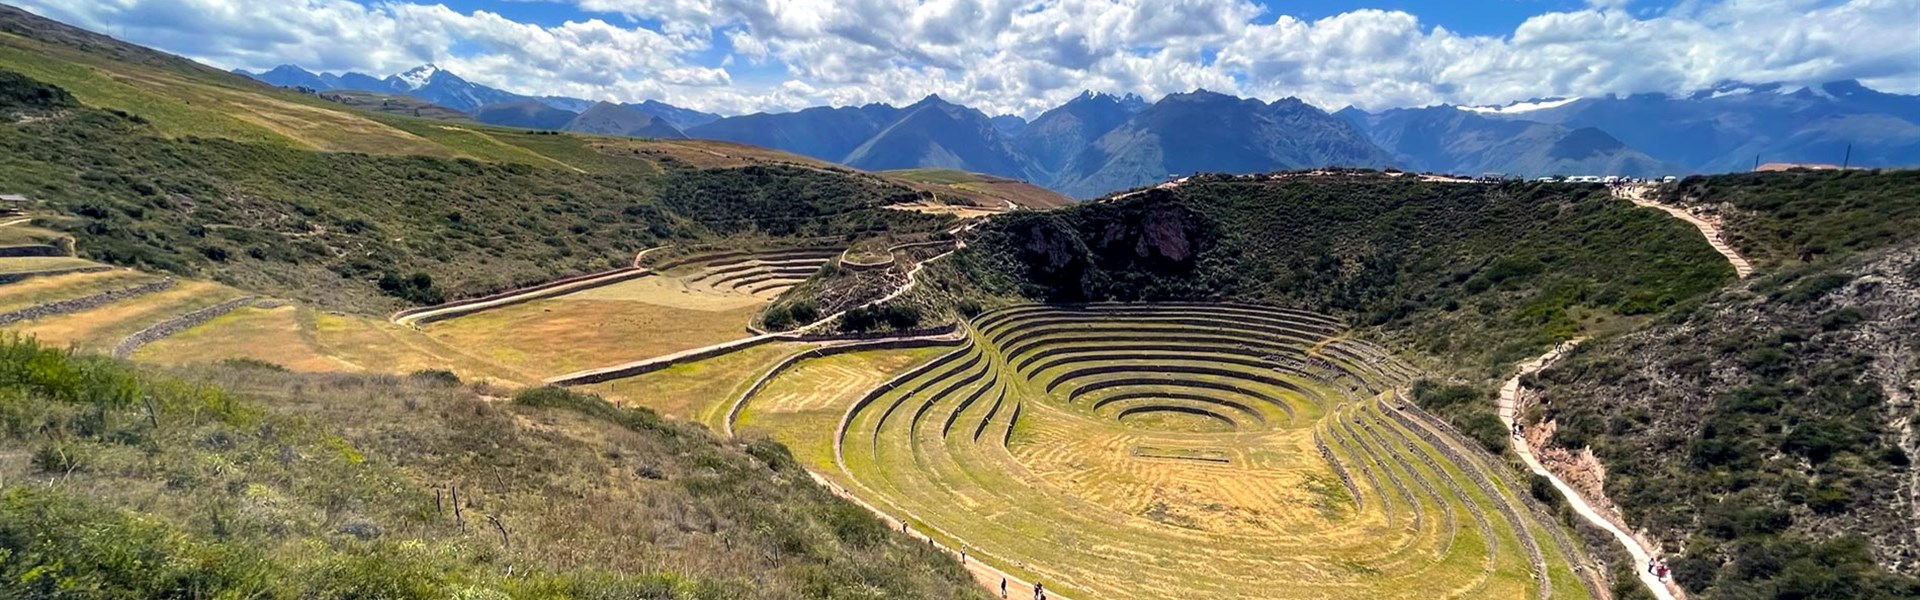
pixel 1024 56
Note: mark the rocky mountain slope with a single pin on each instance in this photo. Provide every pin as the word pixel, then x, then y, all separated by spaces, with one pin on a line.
pixel 1057 135
pixel 1448 139
pixel 828 134
pixel 1726 128
pixel 934 133
pixel 1207 132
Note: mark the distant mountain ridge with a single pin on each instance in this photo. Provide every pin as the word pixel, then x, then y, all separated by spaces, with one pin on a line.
pixel 1098 143
pixel 1451 140
pixel 433 84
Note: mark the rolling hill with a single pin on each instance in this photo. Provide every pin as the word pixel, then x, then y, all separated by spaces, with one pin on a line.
pixel 526 114
pixel 607 118
pixel 286 193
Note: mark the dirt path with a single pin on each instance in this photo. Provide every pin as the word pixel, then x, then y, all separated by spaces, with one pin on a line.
pixel 16 222
pixel 1638 196
pixel 984 574
pixel 1509 398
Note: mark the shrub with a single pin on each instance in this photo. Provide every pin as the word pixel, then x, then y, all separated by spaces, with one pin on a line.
pixel 440 377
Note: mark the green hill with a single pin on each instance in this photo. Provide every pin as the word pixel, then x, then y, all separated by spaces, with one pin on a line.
pixel 156 162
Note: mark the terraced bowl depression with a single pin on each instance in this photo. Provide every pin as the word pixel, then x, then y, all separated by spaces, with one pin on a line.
pixel 1192 451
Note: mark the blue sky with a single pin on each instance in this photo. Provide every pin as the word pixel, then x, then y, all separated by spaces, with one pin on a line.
pixel 1024 56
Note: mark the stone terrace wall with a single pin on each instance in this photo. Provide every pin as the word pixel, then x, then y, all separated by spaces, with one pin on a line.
pixel 32 250
pixel 18 277
pixel 184 322
pixel 72 305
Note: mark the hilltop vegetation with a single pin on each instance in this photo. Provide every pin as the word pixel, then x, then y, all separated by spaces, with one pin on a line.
pixel 1766 436
pixel 1479 275
pixel 122 483
pixel 1783 218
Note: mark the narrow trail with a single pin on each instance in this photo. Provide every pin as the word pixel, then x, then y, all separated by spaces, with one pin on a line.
pixel 1638 196
pixel 16 222
pixel 1509 398
pixel 986 575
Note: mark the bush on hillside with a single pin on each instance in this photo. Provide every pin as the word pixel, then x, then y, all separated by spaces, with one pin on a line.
pixel 18 92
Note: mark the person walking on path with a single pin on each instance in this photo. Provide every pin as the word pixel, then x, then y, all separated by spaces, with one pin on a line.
pixel 1003 588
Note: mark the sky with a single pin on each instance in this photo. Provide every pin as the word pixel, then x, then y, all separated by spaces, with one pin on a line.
pixel 1025 56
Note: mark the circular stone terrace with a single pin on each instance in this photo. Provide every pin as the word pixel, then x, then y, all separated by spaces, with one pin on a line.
pixel 1193 451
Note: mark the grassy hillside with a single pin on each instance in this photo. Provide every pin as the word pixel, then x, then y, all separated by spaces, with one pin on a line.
pixel 395 105
pixel 979 189
pixel 343 229
pixel 1765 437
pixel 272 215
pixel 123 483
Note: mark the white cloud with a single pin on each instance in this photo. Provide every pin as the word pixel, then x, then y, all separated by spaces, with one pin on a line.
pixel 1023 56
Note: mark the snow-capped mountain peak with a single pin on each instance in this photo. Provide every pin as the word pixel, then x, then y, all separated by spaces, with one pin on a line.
pixel 1521 107
pixel 418 77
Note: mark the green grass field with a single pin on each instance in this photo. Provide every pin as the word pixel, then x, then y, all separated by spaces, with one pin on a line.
pixel 1182 450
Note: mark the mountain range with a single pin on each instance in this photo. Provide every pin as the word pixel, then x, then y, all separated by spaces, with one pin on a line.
pixel 442 87
pixel 1099 143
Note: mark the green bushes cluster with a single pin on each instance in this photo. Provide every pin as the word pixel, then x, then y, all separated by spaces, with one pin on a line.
pixel 1468 408
pixel 891 316
pixel 1767 425
pixel 18 92
pixel 785 316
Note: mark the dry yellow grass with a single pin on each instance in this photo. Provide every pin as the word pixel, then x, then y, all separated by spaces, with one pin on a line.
pixel 269 334
pixel 621 323
pixel 41 290
pixel 701 390
pixel 670 292
pixel 802 406
pixel 378 346
pixel 99 329
pixel 1085 472
pixel 35 264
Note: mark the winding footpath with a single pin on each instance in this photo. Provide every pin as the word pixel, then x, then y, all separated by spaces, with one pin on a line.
pixel 1638 196
pixel 1509 399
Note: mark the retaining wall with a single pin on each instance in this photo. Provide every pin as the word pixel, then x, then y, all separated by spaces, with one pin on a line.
pixel 32 250
pixel 184 322
pixel 527 294
pixel 73 305
pixel 18 277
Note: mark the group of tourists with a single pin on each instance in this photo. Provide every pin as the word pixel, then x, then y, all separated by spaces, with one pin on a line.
pixel 1657 567
pixel 1039 590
